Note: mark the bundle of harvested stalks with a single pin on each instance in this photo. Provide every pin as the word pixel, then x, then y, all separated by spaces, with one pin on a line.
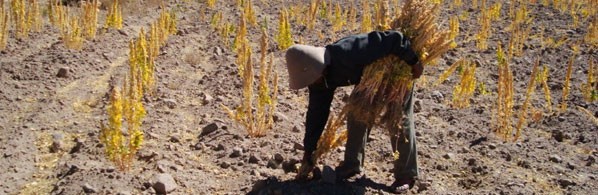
pixel 378 99
pixel 331 138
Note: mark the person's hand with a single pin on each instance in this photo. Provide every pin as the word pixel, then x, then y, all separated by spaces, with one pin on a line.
pixel 417 70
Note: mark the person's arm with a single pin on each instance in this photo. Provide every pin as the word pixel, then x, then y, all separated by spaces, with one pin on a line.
pixel 363 49
pixel 318 110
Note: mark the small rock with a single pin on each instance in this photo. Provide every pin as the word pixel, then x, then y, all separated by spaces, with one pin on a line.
pixel 423 185
pixel 220 147
pixel 492 146
pixel 175 139
pixel 555 158
pixel 524 164
pixel 559 135
pixel 63 72
pixel 564 183
pixel 280 117
pixel 448 155
pixel 273 164
pixel 253 159
pixel 296 129
pixel 57 143
pixel 570 165
pixel 561 119
pixel 290 166
pixel 236 152
pixel 77 147
pixel 225 165
pixel 219 98
pixel 328 175
pixel 199 146
pixel 146 154
pixel 162 168
pixel 298 146
pixel 218 51
pixel 278 157
pixel 170 103
pixel 437 96
pixel 87 188
pixel 164 183
pixel 417 106
pixel 122 32
pixel 471 162
pixel 208 129
pixel 207 98
pixel 591 160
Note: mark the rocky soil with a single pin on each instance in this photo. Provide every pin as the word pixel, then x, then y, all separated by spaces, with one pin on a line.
pixel 50 122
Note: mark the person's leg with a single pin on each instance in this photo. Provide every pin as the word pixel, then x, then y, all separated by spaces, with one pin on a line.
pixel 403 141
pixel 355 148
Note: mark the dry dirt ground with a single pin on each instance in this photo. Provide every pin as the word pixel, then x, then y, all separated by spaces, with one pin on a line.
pixel 49 125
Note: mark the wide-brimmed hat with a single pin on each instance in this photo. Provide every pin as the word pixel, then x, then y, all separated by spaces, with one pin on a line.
pixel 305 64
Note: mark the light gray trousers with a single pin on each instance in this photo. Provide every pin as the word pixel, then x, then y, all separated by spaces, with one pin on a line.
pixel 401 139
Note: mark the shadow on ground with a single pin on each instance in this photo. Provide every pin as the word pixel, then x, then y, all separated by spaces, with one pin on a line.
pixel 359 186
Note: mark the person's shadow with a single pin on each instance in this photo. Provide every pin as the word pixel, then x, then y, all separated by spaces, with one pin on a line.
pixel 273 186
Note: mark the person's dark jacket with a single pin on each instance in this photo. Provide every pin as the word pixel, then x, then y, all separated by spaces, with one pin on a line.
pixel 348 57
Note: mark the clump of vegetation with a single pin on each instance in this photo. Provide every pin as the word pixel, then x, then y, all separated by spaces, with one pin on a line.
pixel 448 72
pixel 526 104
pixel 466 87
pixel 592 34
pixel 484 20
pixel 241 46
pixel 456 4
pixel 126 106
pixel 567 85
pixel 211 3
pixel 19 19
pixel 366 17
pixel 225 31
pixel 257 122
pixel 89 18
pixel 520 30
pixel 34 16
pixel 241 37
pixel 284 37
pixel 216 19
pixel 3 26
pixel 139 60
pixel 382 17
pixel 352 16
pixel 71 33
pixel 504 108
pixel 114 18
pixel 57 14
pixel 454 27
pixel 544 79
pixel 590 88
pixel 339 18
pixel 249 13
pixel 126 111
